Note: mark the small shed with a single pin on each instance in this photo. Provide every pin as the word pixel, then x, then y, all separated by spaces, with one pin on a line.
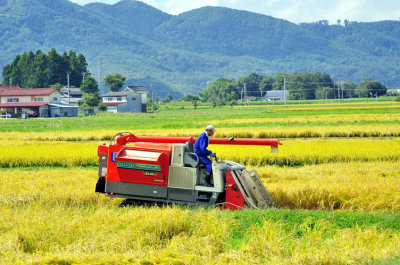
pixel 63 110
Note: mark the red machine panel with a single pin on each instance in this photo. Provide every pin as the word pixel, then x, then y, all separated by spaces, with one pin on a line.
pixel 143 163
pixel 102 149
pixel 234 199
pixel 139 166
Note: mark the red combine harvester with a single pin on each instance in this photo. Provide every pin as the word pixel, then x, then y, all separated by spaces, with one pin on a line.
pixel 165 170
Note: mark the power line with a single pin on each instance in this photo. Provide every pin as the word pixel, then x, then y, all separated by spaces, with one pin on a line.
pixel 68 72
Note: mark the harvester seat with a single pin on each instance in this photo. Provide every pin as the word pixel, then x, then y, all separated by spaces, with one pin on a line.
pixel 189 147
pixel 190 158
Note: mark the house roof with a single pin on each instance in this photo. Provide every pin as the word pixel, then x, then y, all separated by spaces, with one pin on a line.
pixel 62 105
pixel 127 90
pixel 28 92
pixel 3 88
pixel 115 94
pixel 112 103
pixel 137 89
pixel 276 93
pixel 27 104
pixel 72 91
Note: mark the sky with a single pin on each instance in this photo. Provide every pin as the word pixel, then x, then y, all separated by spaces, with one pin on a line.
pixel 296 11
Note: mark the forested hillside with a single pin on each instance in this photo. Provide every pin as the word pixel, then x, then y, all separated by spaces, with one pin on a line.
pixel 187 52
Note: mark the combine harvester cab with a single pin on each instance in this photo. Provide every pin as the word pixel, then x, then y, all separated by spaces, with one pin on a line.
pixel 165 170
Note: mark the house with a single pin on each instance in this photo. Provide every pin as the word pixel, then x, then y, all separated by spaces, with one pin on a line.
pixel 35 102
pixel 276 95
pixel 248 99
pixel 129 99
pixel 393 91
pixel 71 95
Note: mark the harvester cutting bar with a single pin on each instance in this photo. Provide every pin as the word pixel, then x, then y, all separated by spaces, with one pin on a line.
pixel 169 139
pixel 253 190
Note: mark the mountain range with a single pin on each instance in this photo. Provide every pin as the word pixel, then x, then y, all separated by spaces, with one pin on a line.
pixel 186 52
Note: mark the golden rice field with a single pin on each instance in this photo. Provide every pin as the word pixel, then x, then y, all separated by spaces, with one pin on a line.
pixel 339 108
pixel 370 103
pixel 323 119
pixel 109 235
pixel 350 186
pixel 335 181
pixel 58 219
pixel 295 152
pixel 347 174
pixel 347 131
pixel 309 126
pixel 354 186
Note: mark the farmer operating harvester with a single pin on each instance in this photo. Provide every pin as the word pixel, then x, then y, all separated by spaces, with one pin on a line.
pixel 200 149
pixel 158 169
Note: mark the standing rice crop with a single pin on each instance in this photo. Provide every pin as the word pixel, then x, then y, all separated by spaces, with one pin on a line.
pixel 314 151
pixel 350 186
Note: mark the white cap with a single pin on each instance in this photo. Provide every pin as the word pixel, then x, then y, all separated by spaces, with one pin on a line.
pixel 210 128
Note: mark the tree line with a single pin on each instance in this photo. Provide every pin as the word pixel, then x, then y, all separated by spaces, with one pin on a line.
pixel 34 70
pixel 299 85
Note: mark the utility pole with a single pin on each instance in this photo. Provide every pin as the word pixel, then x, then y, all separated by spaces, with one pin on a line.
pixel 245 93
pixel 10 82
pixel 83 76
pixel 284 90
pixel 341 85
pixel 334 91
pixel 152 96
pixel 152 92
pixel 99 72
pixel 68 85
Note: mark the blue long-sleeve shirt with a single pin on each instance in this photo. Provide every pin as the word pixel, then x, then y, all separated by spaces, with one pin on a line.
pixel 201 144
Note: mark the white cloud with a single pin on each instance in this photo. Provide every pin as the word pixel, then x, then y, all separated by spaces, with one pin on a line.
pixel 292 10
pixel 314 10
pixel 177 6
pixel 84 2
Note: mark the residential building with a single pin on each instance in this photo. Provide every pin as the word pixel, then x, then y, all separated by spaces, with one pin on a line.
pixel 275 95
pixel 248 99
pixel 71 95
pixel 129 99
pixel 393 91
pixel 35 102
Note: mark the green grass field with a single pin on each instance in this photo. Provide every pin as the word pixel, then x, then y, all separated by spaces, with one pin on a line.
pixel 336 182
pixel 182 115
